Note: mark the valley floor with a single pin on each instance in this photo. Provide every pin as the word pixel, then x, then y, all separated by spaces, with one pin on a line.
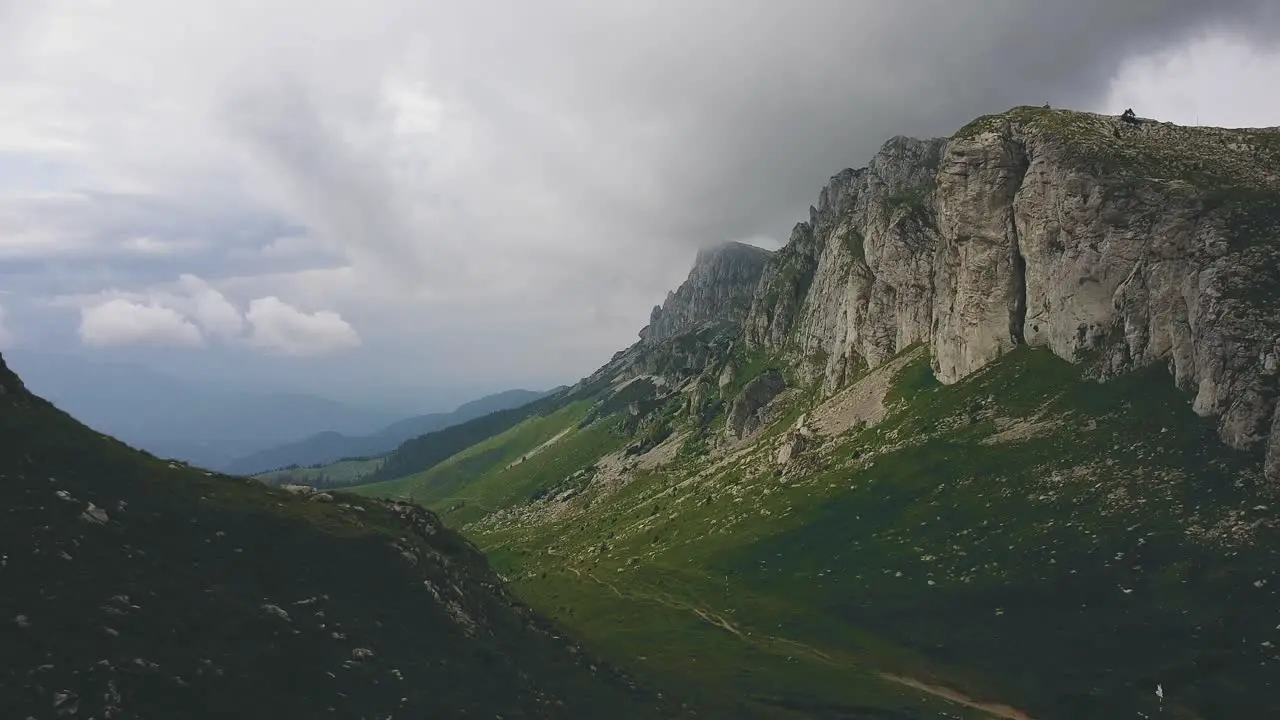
pixel 1027 543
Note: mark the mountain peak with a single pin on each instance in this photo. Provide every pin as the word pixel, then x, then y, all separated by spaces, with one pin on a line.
pixel 718 290
pixel 729 250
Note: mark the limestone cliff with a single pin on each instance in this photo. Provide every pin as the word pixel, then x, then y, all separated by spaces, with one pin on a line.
pixel 1118 244
pixel 718 290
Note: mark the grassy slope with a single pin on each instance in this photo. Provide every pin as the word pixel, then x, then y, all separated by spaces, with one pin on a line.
pixel 338 474
pixel 916 548
pixel 510 464
pixel 162 610
pixel 425 452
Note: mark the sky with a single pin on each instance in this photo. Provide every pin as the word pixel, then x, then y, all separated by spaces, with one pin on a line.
pixel 398 198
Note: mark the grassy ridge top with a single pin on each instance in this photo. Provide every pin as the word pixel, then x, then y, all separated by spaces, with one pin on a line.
pixel 1225 164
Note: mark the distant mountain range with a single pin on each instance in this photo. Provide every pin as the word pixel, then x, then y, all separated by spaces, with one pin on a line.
pixel 176 418
pixel 330 446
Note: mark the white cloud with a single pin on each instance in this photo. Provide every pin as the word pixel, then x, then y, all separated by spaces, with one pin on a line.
pixel 281 328
pixel 122 322
pixel 210 308
pixel 1200 83
pixel 145 245
pixel 439 187
pixel 191 309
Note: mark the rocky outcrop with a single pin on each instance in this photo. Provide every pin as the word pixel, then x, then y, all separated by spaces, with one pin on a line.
pixel 1115 244
pixel 855 283
pixel 746 414
pixel 795 442
pixel 718 290
pixel 697 325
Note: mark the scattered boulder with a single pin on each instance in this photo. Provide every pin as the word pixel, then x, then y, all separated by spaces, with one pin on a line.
pixel 94 514
pixel 276 610
pixel 795 442
pixel 322 497
pixel 65 703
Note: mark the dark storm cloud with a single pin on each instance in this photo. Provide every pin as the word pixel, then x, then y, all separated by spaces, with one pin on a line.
pixel 714 120
pixel 504 169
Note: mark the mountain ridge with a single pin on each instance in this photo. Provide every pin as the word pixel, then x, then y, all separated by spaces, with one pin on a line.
pixel 330 446
pixel 170 416
pixel 905 461
pixel 718 289
pixel 1022 229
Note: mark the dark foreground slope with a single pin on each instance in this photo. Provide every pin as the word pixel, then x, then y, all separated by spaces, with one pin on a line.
pixel 135 588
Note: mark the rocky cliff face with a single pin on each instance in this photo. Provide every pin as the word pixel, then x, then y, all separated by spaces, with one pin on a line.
pixel 1112 243
pixel 718 290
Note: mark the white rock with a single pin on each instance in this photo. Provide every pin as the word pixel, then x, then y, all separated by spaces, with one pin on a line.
pixel 94 514
pixel 276 610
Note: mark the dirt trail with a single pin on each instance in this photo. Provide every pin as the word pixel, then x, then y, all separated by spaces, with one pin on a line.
pixel 719 621
pixel 539 449
pixel 994 709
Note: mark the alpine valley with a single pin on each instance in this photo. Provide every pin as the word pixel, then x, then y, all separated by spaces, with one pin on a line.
pixel 993 435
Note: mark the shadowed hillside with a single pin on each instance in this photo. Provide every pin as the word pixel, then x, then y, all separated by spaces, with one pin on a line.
pixel 136 588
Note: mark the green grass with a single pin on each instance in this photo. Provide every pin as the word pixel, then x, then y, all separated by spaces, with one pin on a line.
pixel 916 548
pixel 490 457
pixel 913 201
pixel 749 364
pixel 338 474
pixel 163 609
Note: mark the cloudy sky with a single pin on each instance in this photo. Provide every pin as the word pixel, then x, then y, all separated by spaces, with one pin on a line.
pixel 384 196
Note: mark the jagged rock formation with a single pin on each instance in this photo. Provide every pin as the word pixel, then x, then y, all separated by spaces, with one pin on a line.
pixel 1112 243
pixel 719 289
pixel 746 412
